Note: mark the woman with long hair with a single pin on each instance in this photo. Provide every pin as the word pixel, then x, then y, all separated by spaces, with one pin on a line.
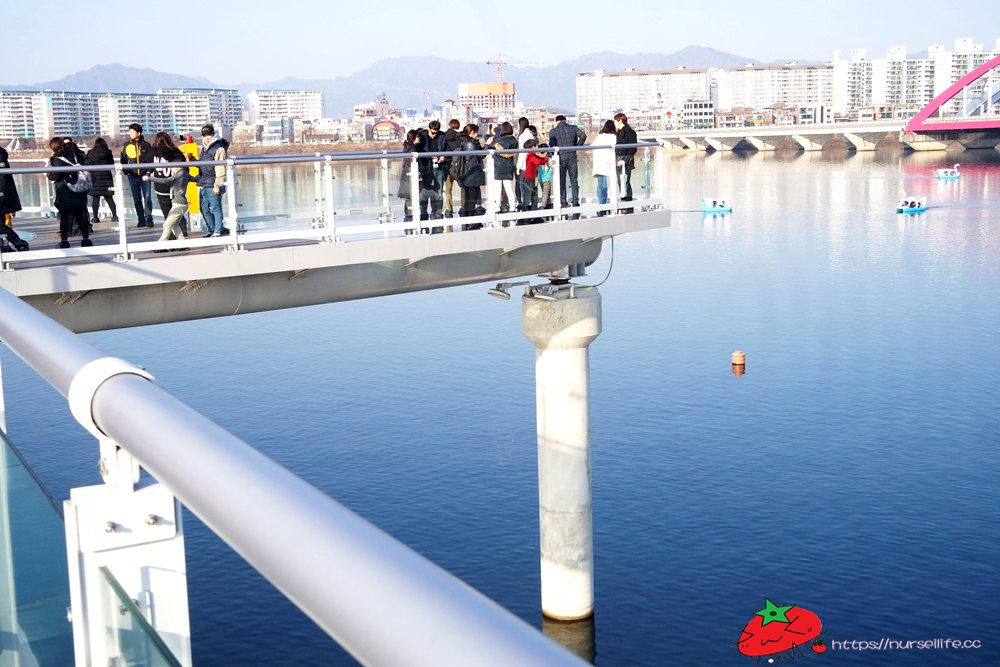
pixel 103 181
pixel 165 150
pixel 503 168
pixel 473 174
pixel 72 206
pixel 604 160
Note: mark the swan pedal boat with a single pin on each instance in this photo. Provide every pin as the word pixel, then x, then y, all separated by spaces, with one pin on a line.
pixel 716 205
pixel 911 205
pixel 948 173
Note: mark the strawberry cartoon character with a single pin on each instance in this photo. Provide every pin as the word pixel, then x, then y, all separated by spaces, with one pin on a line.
pixel 779 628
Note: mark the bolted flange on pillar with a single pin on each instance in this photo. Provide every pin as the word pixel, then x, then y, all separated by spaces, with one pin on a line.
pixel 561 331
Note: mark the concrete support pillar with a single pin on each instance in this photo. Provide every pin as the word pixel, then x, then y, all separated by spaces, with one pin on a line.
pixel 561 327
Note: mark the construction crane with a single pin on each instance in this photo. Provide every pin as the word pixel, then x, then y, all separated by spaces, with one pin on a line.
pixel 500 62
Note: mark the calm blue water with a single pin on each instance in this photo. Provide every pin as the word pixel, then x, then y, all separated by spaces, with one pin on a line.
pixel 852 471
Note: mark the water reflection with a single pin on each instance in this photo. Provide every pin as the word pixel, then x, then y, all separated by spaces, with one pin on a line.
pixel 577 636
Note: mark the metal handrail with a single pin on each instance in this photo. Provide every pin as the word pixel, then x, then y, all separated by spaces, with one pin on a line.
pixel 240 237
pixel 383 602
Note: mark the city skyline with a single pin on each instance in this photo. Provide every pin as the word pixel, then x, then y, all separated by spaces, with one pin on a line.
pixel 318 41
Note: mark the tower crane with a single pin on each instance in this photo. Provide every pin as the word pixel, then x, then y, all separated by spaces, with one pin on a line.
pixel 500 62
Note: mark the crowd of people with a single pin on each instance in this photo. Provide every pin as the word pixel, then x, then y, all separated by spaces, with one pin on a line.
pixel 167 180
pixel 524 179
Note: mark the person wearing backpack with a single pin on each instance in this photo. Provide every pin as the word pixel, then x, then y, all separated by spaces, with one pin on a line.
pixel 72 206
pixel 503 168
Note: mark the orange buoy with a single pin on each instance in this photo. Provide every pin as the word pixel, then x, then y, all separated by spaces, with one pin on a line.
pixel 739 358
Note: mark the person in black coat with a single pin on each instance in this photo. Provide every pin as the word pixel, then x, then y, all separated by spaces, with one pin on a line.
pixel 104 181
pixel 473 175
pixel 72 206
pixel 625 156
pixel 10 203
pixel 412 144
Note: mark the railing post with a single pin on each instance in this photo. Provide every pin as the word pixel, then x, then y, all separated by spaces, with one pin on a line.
pixel 613 183
pixel 556 182
pixel 661 167
pixel 384 180
pixel 233 215
pixel 330 212
pixel 119 197
pixel 318 182
pixel 123 255
pixel 646 168
pixel 491 190
pixel 137 536
pixel 415 194
pixel 48 206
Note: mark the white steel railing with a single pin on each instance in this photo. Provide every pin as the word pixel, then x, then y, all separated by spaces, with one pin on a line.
pixel 381 601
pixel 332 219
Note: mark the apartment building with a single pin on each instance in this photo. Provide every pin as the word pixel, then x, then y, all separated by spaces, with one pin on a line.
pixel 17 117
pixel 600 94
pixel 761 87
pixel 271 104
pixel 43 114
pixel 897 84
pixel 487 99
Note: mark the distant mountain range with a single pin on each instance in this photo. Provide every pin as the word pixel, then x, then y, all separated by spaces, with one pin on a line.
pixel 407 81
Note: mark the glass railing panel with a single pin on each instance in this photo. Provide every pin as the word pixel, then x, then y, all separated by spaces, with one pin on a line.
pixel 130 639
pixel 34 588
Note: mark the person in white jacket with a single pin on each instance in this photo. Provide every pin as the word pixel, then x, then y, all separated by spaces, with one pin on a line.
pixel 604 160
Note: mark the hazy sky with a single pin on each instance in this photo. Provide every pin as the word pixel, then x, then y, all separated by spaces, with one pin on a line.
pixel 237 41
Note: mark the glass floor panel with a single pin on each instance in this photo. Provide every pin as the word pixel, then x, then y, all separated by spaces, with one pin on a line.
pixel 34 585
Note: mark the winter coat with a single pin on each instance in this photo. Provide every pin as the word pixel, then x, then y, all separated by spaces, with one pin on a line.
pixel 503 167
pixel 104 181
pixel 627 135
pixel 135 152
pixel 423 167
pixel 475 175
pixel 65 197
pixel 174 181
pixel 604 159
pixel 9 201
pixel 213 176
pixel 161 156
pixel 564 134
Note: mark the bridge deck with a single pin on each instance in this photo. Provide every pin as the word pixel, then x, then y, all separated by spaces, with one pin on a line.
pixel 90 289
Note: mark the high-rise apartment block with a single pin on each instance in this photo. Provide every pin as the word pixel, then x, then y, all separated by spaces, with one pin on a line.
pixel 843 86
pixel 487 99
pixel 272 104
pixel 44 114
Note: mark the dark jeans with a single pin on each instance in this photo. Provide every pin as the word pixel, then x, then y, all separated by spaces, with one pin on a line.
pixel 70 217
pixel 142 197
pixel 529 194
pixel 432 191
pixel 569 171
pixel 95 205
pixel 471 200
